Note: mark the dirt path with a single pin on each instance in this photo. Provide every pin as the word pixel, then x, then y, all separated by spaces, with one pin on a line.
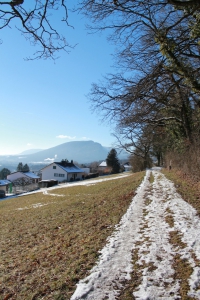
pixel 154 252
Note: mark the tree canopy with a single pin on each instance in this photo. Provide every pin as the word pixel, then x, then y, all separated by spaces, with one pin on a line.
pixel 23 168
pixel 156 91
pixel 112 161
pixel 4 173
pixel 37 20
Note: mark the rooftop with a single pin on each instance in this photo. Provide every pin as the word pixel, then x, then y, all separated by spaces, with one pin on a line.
pixel 4 182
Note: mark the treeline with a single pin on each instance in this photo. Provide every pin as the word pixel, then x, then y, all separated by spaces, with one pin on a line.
pixel 21 168
pixel 154 96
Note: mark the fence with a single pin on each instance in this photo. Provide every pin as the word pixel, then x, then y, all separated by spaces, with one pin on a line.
pixel 18 189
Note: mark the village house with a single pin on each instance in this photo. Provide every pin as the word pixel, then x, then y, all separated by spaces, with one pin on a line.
pixel 4 187
pixel 127 167
pixel 103 169
pixel 26 175
pixel 23 182
pixel 62 171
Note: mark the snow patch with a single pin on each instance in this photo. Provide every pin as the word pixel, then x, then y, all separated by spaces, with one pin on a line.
pixel 144 229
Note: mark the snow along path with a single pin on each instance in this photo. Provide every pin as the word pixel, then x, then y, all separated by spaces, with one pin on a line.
pixel 87 182
pixel 144 230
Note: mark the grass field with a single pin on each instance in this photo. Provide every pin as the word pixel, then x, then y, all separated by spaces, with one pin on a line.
pixel 49 242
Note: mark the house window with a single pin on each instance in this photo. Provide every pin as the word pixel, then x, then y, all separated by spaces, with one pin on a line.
pixel 54 167
pixel 59 175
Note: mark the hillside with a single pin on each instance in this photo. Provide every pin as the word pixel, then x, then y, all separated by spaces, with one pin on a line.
pixel 79 151
pixel 30 151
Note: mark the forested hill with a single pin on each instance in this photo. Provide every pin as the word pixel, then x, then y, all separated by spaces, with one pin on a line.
pixel 79 151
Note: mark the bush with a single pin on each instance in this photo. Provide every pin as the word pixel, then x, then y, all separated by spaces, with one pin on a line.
pixel 187 160
pixel 2 194
pixel 94 175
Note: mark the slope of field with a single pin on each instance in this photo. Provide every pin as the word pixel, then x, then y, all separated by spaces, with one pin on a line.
pixel 116 238
pixel 49 240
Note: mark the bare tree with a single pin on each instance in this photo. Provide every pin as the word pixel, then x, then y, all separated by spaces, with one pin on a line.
pixel 159 85
pixel 154 112
pixel 177 3
pixel 136 142
pixel 151 29
pixel 184 3
pixel 34 19
pixel 157 99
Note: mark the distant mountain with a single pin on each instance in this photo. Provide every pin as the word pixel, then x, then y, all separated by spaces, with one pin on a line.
pixel 30 151
pixel 78 151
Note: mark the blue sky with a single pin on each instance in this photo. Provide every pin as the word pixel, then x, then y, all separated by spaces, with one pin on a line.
pixel 44 103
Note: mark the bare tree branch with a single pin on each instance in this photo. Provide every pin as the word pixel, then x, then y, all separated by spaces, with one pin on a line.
pixel 35 21
pixel 184 3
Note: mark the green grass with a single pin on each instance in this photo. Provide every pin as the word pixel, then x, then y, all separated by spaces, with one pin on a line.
pixel 46 250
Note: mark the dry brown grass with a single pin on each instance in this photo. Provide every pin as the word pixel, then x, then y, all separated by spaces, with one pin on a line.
pixel 46 250
pixel 136 275
pixel 182 267
pixel 186 157
pixel 187 186
pixel 151 178
pixel 136 278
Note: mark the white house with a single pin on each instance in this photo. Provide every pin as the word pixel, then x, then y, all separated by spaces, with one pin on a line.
pixel 27 175
pixel 127 167
pixel 103 164
pixel 62 171
pixel 103 168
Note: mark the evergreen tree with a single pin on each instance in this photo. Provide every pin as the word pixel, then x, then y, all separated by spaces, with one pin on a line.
pixel 112 161
pixel 25 168
pixel 20 167
pixel 4 172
